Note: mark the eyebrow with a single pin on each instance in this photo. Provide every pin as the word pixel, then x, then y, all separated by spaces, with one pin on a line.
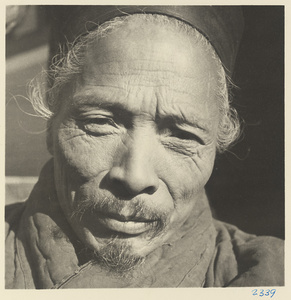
pixel 91 101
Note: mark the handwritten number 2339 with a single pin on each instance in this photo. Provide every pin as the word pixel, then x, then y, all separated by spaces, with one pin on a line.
pixel 262 292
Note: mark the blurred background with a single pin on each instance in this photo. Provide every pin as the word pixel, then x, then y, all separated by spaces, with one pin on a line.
pixel 247 184
pixel 27 32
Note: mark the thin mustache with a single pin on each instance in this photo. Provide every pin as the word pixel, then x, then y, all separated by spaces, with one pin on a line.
pixel 113 206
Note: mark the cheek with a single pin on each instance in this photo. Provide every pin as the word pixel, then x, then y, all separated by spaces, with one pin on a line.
pixel 84 155
pixel 187 176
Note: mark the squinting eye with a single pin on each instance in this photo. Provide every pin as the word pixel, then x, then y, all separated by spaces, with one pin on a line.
pixel 100 125
pixel 100 121
pixel 182 135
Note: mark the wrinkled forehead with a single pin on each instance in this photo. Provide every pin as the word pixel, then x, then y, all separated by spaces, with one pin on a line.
pixel 140 46
pixel 148 68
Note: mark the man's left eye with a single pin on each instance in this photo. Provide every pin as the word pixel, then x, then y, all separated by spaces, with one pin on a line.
pixel 182 135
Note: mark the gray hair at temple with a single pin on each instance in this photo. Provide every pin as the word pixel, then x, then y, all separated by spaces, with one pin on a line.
pixel 68 65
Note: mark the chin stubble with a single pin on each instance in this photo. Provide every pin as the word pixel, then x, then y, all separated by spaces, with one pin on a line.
pixel 117 255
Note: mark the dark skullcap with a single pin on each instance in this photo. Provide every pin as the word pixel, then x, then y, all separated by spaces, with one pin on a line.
pixel 221 25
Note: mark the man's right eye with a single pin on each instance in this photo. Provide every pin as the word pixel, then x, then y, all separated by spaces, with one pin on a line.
pixel 100 125
pixel 100 121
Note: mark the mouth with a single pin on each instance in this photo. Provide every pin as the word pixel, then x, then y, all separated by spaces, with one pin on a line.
pixel 124 224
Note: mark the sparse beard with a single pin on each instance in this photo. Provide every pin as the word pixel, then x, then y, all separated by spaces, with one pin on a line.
pixel 117 254
pixel 116 257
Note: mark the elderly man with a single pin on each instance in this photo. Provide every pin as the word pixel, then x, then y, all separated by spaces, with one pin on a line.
pixel 137 110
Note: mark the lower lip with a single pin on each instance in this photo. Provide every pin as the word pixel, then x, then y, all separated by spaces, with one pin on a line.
pixel 127 227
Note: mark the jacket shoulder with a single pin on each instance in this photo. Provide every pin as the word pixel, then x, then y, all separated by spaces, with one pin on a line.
pixel 243 259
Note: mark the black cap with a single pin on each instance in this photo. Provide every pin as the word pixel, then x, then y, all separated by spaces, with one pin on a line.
pixel 221 25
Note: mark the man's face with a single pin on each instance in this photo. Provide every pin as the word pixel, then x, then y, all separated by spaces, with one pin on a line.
pixel 134 143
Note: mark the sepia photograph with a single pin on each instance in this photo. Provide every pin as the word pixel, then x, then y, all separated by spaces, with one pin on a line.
pixel 144 147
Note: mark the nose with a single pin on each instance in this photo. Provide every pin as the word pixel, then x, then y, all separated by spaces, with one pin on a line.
pixel 134 172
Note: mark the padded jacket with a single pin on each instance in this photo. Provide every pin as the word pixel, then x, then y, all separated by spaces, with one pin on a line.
pixel 42 251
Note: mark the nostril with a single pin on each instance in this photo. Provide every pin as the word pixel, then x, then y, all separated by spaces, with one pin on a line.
pixel 124 190
pixel 123 185
pixel 133 177
pixel 149 190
